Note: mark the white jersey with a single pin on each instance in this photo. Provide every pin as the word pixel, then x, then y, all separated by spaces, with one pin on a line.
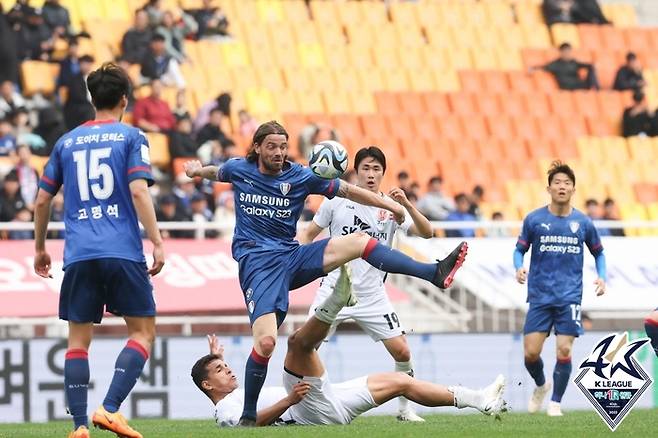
pixel 344 217
pixel 228 410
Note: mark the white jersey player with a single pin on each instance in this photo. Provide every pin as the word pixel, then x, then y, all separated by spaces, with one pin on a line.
pixel 374 312
pixel 308 397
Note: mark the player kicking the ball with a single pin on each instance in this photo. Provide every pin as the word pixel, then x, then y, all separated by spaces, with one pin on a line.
pixel 374 312
pixel 555 283
pixel 269 198
pixel 105 169
pixel 309 398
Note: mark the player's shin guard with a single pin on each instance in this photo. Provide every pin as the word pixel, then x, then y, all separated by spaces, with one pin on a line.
pixel 651 327
pixel 127 369
pixel 407 368
pixel 76 381
pixel 255 374
pixel 388 259
pixel 536 370
pixel 561 376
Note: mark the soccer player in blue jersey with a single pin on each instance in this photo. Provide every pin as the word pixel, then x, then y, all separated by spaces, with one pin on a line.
pixel 556 234
pixel 269 198
pixel 105 169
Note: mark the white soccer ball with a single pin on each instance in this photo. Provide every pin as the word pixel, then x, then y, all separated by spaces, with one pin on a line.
pixel 328 159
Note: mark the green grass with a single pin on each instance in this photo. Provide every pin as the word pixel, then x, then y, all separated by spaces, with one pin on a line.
pixel 639 423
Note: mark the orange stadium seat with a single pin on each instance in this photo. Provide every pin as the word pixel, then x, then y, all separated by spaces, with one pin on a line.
pixel 500 126
pixel 495 81
pixel 561 103
pixel 520 81
pixel 544 81
pixel 471 81
pixel 565 33
pixel 461 103
pixel 511 104
pixel 586 103
pixel 425 127
pixel 525 128
pixel 411 103
pixel 400 126
pixel 487 104
pixel 537 105
pixel 38 77
pixel 540 149
pixel 450 127
pixel 475 127
pixel 550 127
pixel 159 147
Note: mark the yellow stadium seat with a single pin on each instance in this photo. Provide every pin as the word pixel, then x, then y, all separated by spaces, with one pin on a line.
pixel 359 57
pixel 386 57
pixel 435 58
pixel 295 11
pixel 244 78
pixel 565 33
pixel 311 55
pixel 411 58
pixel 310 102
pixel 633 211
pixel 337 57
pixel 396 80
pixel 458 14
pixel 351 13
pixel 363 102
pixel 297 79
pixel 260 100
pixel 269 11
pixel 39 77
pixel 510 36
pixel 371 79
pixel 323 79
pixel 263 56
pixel 483 59
pixel 430 16
pixel 347 79
pixel 508 58
pixel 271 79
pixel 305 32
pixel 325 12
pixel 406 13
pixel 459 59
pixel 362 35
pixel 117 10
pixel 408 36
pixel 337 102
pixel 286 102
pixel 621 14
pixel 614 149
pixel 536 36
pixel 330 35
pixel 256 37
pixel 235 54
pixel 442 37
pixel 652 211
pixel 447 80
pixel 499 13
pixel 159 148
pixel 529 13
pixel 282 36
pixel 641 149
pixel 38 163
pixel 422 79
pixel 90 9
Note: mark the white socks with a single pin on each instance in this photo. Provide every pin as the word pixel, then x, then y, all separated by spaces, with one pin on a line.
pixel 465 397
pixel 407 368
pixel 327 311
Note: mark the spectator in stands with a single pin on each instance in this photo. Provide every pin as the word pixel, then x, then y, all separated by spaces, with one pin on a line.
pixel 23 215
pixel 497 231
pixel 636 119
pixel 135 42
pixel 152 113
pixel 8 50
pixel 69 66
pixel 20 119
pixel 125 64
pixel 629 76
pixel 201 214
pixel 28 177
pixel 222 102
pixel 610 214
pixel 168 212
pixel 211 21
pixel 414 189
pixel 7 139
pixel 56 18
pixel 459 215
pixel 181 141
pixel 174 33
pixel 51 127
pixel 34 38
pixel 225 210
pixel 212 130
pixel 475 199
pixel 181 111
pixel 435 205
pixel 10 99
pixel 11 200
pixel 312 134
pixel 404 182
pixel 593 210
pixel 573 11
pixel 157 64
pixel 78 108
pixel 57 215
pixel 248 124
pixel 413 198
pixel 155 12
pixel 566 71
pixel 183 190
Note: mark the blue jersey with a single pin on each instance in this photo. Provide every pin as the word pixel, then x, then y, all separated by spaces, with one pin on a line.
pixel 95 162
pixel 268 206
pixel 556 262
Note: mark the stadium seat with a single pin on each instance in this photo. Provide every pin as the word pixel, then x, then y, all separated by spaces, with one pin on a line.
pixel 159 148
pixel 561 103
pixel 537 105
pixel 500 126
pixel 487 104
pixel 38 77
pixel 520 81
pixel 621 14
pixel 565 33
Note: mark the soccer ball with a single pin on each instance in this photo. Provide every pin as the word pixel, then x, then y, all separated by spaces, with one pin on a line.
pixel 328 159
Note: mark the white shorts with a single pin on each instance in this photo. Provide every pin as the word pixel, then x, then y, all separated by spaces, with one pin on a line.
pixel 327 403
pixel 374 313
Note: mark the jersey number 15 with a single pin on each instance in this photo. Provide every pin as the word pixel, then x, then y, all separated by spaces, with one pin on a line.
pixel 94 170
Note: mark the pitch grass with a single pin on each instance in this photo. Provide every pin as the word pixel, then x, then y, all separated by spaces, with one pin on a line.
pixel 639 423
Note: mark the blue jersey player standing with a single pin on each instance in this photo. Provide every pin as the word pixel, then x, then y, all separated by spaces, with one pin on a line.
pixel 105 169
pixel 556 234
pixel 269 198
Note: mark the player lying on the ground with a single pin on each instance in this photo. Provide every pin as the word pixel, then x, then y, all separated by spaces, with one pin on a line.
pixel 269 197
pixel 556 233
pixel 651 327
pixel 308 397
pixel 374 312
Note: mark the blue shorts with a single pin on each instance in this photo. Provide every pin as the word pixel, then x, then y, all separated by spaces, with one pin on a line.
pixel 121 286
pixel 266 277
pixel 564 318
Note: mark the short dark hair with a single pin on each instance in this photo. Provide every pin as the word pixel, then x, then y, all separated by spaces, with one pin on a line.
pixel 402 175
pixel 86 58
pixel 591 202
pixel 478 190
pixel 157 37
pixel 560 167
pixel 631 56
pixel 108 85
pixel 638 96
pixel 496 215
pixel 608 202
pixel 435 179
pixel 265 129
pixel 459 197
pixel 370 152
pixel 564 46
pixel 200 370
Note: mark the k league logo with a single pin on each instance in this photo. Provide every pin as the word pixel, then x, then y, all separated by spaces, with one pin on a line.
pixel 611 378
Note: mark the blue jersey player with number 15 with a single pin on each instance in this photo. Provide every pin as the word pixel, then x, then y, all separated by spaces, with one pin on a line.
pixel 556 234
pixel 105 169
pixel 269 197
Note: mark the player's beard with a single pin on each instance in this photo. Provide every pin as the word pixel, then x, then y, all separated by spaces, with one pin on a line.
pixel 271 166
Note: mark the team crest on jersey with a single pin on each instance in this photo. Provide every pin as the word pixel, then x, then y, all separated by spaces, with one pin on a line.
pixel 573 226
pixel 68 142
pixel 285 188
pixel 382 215
pixel 611 379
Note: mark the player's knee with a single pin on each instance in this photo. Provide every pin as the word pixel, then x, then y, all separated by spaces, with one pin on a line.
pixel 531 356
pixel 266 345
pixel 402 353
pixel 402 382
pixel 564 351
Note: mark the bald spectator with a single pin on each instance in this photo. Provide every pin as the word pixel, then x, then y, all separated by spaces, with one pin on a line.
pixel 152 113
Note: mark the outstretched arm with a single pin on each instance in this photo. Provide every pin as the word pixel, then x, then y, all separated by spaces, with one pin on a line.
pixel 267 416
pixel 421 226
pixel 365 197
pixel 194 169
pixel 309 234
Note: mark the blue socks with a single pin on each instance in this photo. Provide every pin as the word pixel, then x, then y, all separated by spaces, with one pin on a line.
pixel 390 260
pixel 255 373
pixel 536 370
pixel 651 327
pixel 76 381
pixel 561 375
pixel 127 369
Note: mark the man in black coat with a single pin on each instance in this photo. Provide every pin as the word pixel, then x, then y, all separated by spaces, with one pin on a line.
pixel 78 108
